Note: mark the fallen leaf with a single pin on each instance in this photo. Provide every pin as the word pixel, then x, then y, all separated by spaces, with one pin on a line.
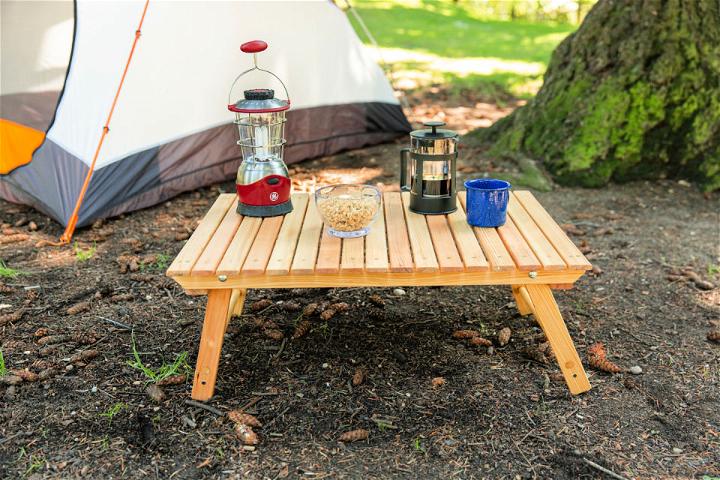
pixel 438 382
pixel 460 334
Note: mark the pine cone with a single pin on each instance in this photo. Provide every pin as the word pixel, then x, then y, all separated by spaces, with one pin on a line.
pixel 84 356
pixel 41 332
pixel 328 314
pixel 11 317
pixel 597 358
pixel 359 377
pixel 261 304
pixel 377 300
pixel 246 434
pixel 714 336
pixel 462 334
pixel 78 308
pixel 354 435
pixel 51 340
pixel 302 328
pixel 26 375
pixel 291 306
pixel 309 309
pixel 504 336
pixel 238 417
pixel 121 297
pixel 340 307
pixel 480 341
pixel 274 334
pixel 172 380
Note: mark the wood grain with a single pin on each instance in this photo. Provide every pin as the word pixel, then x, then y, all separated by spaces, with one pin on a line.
pixel 328 259
pixel 468 245
pixel 545 252
pixel 422 248
pixel 284 251
pixel 492 245
pixel 309 241
pixel 398 243
pixel 443 241
pixel 217 246
pixel 193 248
pixel 353 255
pixel 239 247
pixel 262 246
pixel 376 251
pixel 573 257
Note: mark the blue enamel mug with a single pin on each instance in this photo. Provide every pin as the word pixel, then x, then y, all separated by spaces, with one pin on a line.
pixel 487 200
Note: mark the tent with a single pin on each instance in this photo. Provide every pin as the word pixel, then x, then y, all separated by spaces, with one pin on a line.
pixel 170 130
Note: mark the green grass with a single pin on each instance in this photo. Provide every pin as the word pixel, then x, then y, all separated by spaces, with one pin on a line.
pixel 114 410
pixel 83 255
pixel 161 263
pixel 3 368
pixel 179 366
pixel 7 272
pixel 453 44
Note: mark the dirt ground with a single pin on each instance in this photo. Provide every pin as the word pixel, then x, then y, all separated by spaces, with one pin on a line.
pixel 503 412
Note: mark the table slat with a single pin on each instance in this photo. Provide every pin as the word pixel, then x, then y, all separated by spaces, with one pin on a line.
pixel 466 242
pixel 545 252
pixel 328 259
pixel 353 255
pixel 262 247
pixel 239 246
pixel 183 263
pixel 492 246
pixel 376 252
pixel 562 243
pixel 420 241
pixel 518 248
pixel 282 255
pixel 397 236
pixel 218 244
pixel 307 246
pixel 443 241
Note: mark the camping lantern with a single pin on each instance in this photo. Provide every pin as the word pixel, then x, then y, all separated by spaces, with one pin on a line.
pixel 429 165
pixel 263 184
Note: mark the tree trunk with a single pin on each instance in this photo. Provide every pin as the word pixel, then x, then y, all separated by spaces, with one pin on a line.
pixel 634 93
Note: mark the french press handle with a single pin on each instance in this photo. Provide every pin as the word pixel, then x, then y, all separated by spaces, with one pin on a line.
pixel 404 156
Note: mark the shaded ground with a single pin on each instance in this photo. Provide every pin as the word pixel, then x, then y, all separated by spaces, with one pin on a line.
pixel 504 414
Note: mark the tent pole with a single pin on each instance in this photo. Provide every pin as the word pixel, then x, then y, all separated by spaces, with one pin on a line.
pixel 72 222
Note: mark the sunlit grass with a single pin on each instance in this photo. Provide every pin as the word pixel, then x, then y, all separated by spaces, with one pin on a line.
pixel 431 42
pixel 7 272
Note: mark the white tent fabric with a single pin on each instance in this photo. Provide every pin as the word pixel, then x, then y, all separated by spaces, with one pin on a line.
pixel 177 88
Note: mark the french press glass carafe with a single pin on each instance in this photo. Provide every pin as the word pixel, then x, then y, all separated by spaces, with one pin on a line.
pixel 429 165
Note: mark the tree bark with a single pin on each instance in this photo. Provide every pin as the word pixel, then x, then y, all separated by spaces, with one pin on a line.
pixel 634 93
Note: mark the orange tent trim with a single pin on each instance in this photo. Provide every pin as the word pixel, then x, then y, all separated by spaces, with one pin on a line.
pixel 17 144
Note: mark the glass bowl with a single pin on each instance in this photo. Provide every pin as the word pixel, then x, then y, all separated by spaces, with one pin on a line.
pixel 348 210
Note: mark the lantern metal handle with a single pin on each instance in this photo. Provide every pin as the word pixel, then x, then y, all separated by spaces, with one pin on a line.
pixel 254 47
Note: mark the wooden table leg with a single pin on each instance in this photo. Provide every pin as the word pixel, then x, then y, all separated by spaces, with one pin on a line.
pixel 237 302
pixel 211 340
pixel 543 305
pixel 522 304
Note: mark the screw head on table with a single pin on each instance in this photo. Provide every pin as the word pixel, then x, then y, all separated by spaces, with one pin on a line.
pixel 222 278
pixel 532 274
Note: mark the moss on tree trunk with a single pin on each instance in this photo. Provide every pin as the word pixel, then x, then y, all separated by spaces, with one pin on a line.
pixel 634 93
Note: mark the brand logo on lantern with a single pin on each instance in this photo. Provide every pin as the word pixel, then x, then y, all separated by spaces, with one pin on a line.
pixel 274 196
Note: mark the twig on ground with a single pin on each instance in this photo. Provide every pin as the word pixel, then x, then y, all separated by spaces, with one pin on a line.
pixel 116 323
pixel 210 409
pixel 599 467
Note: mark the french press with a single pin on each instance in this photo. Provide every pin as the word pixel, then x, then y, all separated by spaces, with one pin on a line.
pixel 429 164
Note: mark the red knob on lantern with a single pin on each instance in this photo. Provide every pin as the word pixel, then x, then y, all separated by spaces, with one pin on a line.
pixel 253 46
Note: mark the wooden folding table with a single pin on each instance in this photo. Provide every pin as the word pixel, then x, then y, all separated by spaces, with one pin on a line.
pixel 228 253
